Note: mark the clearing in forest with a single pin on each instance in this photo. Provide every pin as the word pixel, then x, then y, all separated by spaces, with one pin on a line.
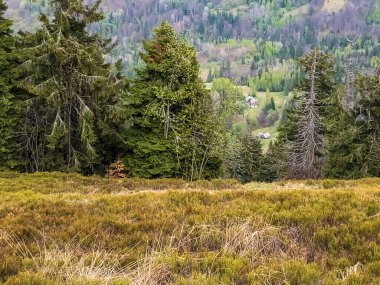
pixel 334 5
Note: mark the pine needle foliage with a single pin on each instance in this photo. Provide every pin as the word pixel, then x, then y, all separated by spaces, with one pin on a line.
pixel 368 86
pixel 305 151
pixel 9 105
pixel 345 151
pixel 74 91
pixel 244 159
pixel 173 130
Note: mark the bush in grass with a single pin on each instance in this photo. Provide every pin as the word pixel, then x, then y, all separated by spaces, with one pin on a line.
pixel 116 170
pixel 301 273
pixel 136 184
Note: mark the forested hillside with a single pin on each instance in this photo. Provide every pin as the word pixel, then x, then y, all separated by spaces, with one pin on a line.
pixel 236 38
pixel 254 43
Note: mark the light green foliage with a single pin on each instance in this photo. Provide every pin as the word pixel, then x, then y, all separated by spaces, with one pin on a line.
pixel 227 98
pixel 374 15
pixel 270 49
pixel 375 61
pixel 278 77
pixel 252 85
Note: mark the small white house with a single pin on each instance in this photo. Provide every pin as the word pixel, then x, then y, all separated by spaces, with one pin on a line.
pixel 264 136
pixel 252 102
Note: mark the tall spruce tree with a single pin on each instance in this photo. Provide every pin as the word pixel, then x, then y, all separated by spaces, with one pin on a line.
pixel 74 92
pixel 244 159
pixel 345 151
pixel 173 130
pixel 232 159
pixel 252 158
pixel 305 148
pixel 277 150
pixel 9 106
pixel 368 86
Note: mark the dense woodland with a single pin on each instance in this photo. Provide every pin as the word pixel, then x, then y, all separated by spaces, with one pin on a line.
pixel 235 38
pixel 66 107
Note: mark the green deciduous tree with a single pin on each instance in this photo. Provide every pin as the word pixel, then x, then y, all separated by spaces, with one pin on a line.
pixel 226 99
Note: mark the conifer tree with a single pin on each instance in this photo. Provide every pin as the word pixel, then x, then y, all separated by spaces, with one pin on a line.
pixel 232 158
pixel 74 92
pixel 305 149
pixel 349 99
pixel 271 105
pixel 269 170
pixel 9 106
pixel 252 158
pixel 172 130
pixel 369 118
pixel 244 159
pixel 210 76
pixel 278 150
pixel 345 152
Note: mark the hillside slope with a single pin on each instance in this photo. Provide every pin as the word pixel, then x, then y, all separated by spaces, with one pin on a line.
pixel 295 26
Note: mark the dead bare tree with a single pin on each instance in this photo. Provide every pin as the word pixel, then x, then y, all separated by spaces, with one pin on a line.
pixel 349 100
pixel 305 150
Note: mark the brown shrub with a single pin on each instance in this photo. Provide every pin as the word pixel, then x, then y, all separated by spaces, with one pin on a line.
pixel 116 170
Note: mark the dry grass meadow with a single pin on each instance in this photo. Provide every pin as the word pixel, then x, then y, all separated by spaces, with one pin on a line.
pixel 68 229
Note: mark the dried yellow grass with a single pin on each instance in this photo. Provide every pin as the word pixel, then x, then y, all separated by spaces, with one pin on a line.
pixel 334 5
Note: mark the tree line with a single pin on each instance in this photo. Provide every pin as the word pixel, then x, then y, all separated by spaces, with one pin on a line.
pixel 332 128
pixel 63 107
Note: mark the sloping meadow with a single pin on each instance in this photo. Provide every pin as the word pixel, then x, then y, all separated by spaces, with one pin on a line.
pixel 68 229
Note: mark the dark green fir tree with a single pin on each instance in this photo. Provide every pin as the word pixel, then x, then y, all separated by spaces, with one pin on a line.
pixel 9 105
pixel 172 128
pixel 368 86
pixel 71 117
pixel 345 151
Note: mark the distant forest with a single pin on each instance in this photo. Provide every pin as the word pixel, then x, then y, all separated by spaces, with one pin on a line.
pixel 69 101
pixel 273 32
